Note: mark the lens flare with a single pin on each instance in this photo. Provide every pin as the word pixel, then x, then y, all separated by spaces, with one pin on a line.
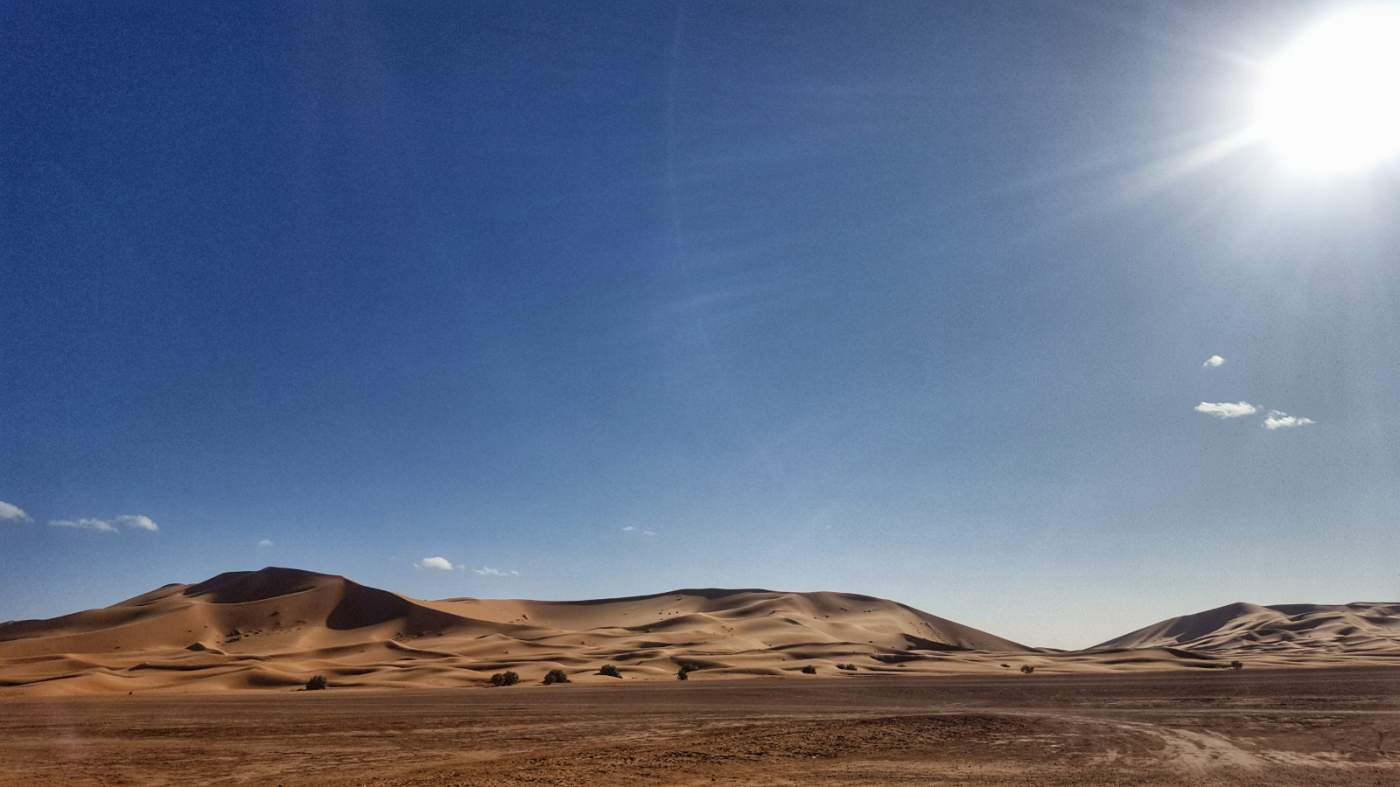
pixel 1331 101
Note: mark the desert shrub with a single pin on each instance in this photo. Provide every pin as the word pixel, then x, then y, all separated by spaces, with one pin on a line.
pixel 316 683
pixel 1027 669
pixel 687 667
pixel 847 667
pixel 1236 665
pixel 555 676
pixel 809 670
pixel 609 670
pixel 505 679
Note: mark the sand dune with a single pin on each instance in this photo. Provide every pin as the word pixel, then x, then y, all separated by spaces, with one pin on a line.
pixel 278 626
pixel 1283 630
pixel 274 628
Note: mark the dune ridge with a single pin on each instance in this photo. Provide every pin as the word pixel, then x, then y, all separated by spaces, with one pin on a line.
pixel 275 627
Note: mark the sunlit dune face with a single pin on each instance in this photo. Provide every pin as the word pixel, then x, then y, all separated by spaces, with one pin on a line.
pixel 1331 101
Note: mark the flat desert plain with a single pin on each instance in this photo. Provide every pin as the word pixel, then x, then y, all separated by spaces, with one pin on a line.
pixel 1254 727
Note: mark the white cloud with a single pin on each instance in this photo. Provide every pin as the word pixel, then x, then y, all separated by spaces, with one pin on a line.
pixel 9 512
pixel 99 525
pixel 128 521
pixel 265 543
pixel 631 529
pixel 1277 419
pixel 487 571
pixel 138 522
pixel 1213 362
pixel 435 563
pixel 1227 409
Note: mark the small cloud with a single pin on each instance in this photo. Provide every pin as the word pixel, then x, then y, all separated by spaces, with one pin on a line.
pixel 98 525
pixel 1277 419
pixel 435 563
pixel 128 521
pixel 638 531
pixel 1213 362
pixel 265 543
pixel 9 512
pixel 487 571
pixel 629 529
pixel 648 532
pixel 1227 409
pixel 138 522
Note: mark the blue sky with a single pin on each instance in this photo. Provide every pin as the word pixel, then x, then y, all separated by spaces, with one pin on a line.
pixel 894 298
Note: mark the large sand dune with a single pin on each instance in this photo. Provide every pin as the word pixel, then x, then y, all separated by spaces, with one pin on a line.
pixel 274 628
pixel 1283 631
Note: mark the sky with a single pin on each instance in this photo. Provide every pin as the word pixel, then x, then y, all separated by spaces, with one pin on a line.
pixel 982 307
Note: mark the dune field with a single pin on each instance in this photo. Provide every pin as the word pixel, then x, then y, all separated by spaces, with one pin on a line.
pixel 274 628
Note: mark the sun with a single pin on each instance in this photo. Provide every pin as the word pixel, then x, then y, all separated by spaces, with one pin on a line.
pixel 1331 101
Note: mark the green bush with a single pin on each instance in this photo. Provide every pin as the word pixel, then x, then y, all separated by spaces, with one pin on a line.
pixel 316 683
pixel 555 676
pixel 809 670
pixel 609 670
pixel 505 679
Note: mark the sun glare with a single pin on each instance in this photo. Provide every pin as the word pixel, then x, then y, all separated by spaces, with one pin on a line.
pixel 1331 101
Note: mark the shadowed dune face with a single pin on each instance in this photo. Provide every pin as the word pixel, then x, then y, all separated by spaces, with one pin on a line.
pixel 357 606
pixel 240 587
pixel 276 627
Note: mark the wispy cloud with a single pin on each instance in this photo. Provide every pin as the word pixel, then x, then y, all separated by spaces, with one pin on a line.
pixel 128 521
pixel 487 571
pixel 1213 362
pixel 9 512
pixel 1277 419
pixel 98 525
pixel 265 543
pixel 138 522
pixel 639 531
pixel 1227 409
pixel 435 563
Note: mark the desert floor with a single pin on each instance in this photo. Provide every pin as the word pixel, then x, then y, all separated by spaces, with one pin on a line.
pixel 1313 727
